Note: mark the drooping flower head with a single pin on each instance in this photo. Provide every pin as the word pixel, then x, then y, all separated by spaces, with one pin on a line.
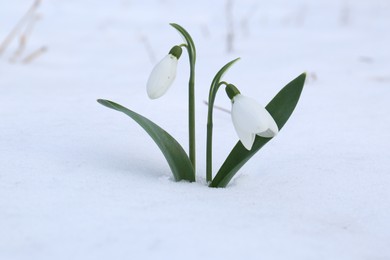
pixel 250 118
pixel 163 74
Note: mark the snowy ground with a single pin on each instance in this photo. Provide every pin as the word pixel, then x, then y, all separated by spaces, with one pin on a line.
pixel 79 181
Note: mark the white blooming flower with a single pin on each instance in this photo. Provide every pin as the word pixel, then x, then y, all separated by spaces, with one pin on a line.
pixel 250 119
pixel 163 74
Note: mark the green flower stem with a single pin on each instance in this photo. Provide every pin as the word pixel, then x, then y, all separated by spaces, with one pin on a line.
pixel 191 91
pixel 191 116
pixel 209 138
pixel 215 84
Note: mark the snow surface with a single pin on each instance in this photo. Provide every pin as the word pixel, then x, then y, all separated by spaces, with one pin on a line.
pixel 80 181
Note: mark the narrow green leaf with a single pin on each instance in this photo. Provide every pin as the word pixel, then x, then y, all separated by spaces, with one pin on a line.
pixel 281 108
pixel 174 153
pixel 215 83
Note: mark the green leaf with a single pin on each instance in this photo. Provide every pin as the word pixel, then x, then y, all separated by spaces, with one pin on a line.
pixel 175 155
pixel 281 108
pixel 215 83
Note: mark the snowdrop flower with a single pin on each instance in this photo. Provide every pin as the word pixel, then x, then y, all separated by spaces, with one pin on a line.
pixel 163 74
pixel 250 118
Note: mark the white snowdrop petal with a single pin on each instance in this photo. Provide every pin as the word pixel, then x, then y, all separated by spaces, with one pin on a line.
pixel 162 76
pixel 267 133
pixel 272 127
pixel 249 115
pixel 251 119
pixel 247 139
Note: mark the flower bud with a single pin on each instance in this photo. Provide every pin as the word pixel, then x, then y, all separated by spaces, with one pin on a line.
pixel 163 74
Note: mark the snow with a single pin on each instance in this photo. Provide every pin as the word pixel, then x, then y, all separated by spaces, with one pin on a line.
pixel 80 181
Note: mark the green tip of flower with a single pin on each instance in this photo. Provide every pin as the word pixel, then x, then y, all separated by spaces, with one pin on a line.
pixel 176 51
pixel 231 91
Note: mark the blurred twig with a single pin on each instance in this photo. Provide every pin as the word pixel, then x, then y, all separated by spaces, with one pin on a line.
pixel 218 107
pixel 24 37
pixel 345 14
pixel 18 26
pixel 148 48
pixel 244 23
pixel 230 26
pixel 34 55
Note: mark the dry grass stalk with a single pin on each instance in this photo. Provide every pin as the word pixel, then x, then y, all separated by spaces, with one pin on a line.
pixel 148 48
pixel 230 26
pixel 18 26
pixel 24 38
pixel 34 55
pixel 218 107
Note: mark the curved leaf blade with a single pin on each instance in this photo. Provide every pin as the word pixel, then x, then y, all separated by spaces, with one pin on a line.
pixel 281 108
pixel 215 83
pixel 174 153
